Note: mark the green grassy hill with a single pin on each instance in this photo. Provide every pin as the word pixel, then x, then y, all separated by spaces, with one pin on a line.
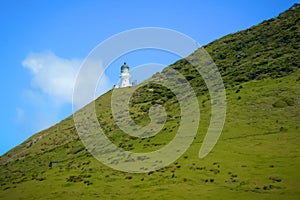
pixel 257 155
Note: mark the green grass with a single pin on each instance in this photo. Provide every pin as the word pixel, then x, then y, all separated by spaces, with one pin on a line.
pixel 253 151
pixel 256 157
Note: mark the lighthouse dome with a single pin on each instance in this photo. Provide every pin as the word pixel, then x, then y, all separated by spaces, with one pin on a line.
pixel 124 68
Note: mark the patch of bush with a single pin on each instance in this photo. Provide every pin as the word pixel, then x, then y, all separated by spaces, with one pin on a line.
pixel 74 179
pixel 270 187
pixel 234 175
pixel 6 188
pixel 289 101
pixel 275 178
pixel 282 129
pixel 284 102
pixel 215 171
pixel 88 182
pixel 279 104
pixel 149 173
pixel 77 150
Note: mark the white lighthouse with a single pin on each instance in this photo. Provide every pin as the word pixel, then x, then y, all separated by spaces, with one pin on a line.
pixel 125 76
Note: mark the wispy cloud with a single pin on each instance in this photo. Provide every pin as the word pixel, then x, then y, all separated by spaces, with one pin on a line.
pixel 52 75
pixel 53 80
pixel 20 115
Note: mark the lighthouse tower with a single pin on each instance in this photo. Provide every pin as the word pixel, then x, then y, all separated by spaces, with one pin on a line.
pixel 125 76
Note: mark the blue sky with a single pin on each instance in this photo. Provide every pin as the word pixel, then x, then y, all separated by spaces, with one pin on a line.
pixel 43 44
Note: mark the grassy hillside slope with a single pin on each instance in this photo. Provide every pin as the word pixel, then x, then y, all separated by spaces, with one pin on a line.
pixel 257 156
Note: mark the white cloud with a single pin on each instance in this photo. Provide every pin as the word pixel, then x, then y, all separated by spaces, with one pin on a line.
pixel 53 75
pixel 53 80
